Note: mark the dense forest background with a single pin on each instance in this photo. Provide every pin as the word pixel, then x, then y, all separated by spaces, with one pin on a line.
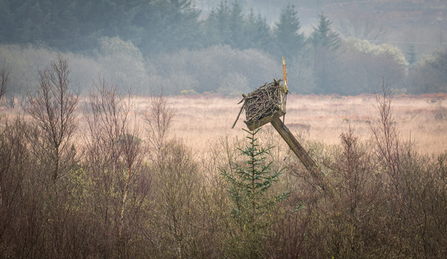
pixel 229 47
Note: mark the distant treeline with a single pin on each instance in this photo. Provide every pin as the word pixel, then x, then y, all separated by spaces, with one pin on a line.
pixel 153 44
pixel 153 26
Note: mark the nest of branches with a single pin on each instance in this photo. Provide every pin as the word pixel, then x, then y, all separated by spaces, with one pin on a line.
pixel 263 102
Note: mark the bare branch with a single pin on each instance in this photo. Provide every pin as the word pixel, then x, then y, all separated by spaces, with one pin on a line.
pixel 52 108
pixel 159 119
pixel 113 144
pixel 4 79
pixel 387 140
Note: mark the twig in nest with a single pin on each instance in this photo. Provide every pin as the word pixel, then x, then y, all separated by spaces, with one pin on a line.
pixel 262 102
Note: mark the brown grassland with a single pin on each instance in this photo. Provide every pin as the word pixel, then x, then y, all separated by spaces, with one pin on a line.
pixel 200 120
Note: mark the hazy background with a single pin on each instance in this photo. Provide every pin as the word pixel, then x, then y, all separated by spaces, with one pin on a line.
pixel 229 47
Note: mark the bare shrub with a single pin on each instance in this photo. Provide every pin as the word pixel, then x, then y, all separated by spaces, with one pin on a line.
pixel 4 80
pixel 421 230
pixel 290 229
pixel 159 120
pixel 21 219
pixel 177 215
pixel 53 111
pixel 178 226
pixel 387 141
pixel 114 160
pixel 215 203
pixel 355 213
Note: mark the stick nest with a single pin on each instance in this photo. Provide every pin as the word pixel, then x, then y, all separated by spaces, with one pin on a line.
pixel 263 102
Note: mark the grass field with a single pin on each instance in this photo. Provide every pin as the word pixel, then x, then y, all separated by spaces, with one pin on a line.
pixel 202 119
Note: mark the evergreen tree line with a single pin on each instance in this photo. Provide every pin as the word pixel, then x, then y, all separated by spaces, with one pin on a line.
pixel 90 180
pixel 152 26
pixel 226 52
pixel 77 25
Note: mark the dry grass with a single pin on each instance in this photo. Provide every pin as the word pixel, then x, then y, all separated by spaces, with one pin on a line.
pixel 200 120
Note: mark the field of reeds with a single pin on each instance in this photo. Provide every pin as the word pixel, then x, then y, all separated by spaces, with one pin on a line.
pixel 202 119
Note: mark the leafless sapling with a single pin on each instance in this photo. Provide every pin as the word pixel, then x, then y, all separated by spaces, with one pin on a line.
pixel 159 120
pixel 387 140
pixel 115 150
pixel 52 109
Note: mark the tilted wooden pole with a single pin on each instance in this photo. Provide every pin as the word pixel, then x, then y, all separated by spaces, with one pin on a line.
pixel 284 71
pixel 299 151
pixel 293 143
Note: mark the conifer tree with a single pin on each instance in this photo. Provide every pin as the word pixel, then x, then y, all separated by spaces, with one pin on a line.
pixel 225 25
pixel 215 28
pixel 325 43
pixel 248 189
pixel 324 36
pixel 288 40
pixel 236 25
pixel 257 33
pixel 411 54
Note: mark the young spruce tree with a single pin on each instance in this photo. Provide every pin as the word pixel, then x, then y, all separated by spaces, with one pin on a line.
pixel 251 203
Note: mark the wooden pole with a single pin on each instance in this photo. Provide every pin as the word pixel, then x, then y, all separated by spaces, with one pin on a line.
pixel 299 151
pixel 284 71
pixel 293 143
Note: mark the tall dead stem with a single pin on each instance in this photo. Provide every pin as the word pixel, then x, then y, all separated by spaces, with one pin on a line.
pixel 386 138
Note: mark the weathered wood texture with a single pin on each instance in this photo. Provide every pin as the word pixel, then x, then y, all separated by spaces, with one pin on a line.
pixel 263 103
pixel 296 147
